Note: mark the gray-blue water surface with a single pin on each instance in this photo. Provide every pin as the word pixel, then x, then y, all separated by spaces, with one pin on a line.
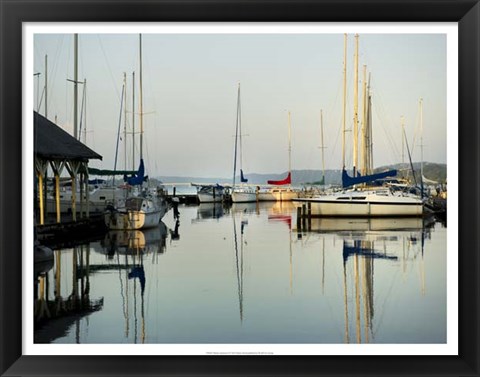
pixel 247 274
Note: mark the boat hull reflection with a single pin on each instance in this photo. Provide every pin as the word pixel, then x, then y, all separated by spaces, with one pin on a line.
pixel 136 241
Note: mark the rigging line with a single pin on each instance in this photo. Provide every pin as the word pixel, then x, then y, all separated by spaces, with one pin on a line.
pixel 53 74
pixel 382 114
pixel 108 66
pixel 330 120
pixel 118 133
pixel 379 111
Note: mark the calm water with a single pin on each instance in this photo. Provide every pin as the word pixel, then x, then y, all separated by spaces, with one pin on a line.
pixel 246 274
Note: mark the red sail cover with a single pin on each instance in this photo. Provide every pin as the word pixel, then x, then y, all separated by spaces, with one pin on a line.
pixel 285 181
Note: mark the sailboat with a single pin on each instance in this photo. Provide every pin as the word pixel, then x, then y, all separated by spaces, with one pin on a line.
pixel 240 193
pixel 142 210
pixel 363 202
pixel 209 193
pixel 281 193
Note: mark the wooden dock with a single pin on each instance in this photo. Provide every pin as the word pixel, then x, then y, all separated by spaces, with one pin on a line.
pixel 189 199
pixel 70 232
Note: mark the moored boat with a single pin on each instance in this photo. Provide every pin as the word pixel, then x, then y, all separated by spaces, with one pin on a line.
pixel 144 210
pixel 242 193
pixel 374 203
pixel 277 194
pixel 137 212
pixel 363 201
pixel 209 193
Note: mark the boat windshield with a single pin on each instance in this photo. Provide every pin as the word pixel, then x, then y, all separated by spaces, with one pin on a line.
pixel 134 204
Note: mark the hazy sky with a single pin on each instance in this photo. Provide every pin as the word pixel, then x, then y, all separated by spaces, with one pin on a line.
pixel 190 96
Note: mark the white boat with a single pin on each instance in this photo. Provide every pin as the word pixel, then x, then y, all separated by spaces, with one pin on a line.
pixel 242 193
pixel 363 202
pixel 98 199
pixel 137 211
pixel 209 193
pixel 374 203
pixel 277 194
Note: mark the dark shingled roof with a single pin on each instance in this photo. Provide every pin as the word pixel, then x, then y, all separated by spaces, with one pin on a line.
pixel 51 142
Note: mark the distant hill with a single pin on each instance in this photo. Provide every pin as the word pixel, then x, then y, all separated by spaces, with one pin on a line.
pixel 432 171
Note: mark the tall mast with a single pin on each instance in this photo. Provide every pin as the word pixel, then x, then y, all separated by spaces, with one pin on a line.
pixel 46 92
pixel 289 145
pixel 421 146
pixel 133 120
pixel 240 130
pixel 344 97
pixel 322 146
pixel 364 123
pixel 355 111
pixel 83 116
pixel 125 122
pixel 402 118
pixel 236 135
pixel 141 101
pixel 75 86
pixel 369 128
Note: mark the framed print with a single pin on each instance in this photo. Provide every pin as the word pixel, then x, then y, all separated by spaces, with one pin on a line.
pixel 325 251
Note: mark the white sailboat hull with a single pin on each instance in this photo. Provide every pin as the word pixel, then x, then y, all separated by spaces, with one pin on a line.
pixel 132 220
pixel 277 195
pixel 98 200
pixel 148 215
pixel 209 198
pixel 363 204
pixel 244 196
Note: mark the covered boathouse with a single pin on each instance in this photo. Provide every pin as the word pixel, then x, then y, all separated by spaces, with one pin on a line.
pixel 58 149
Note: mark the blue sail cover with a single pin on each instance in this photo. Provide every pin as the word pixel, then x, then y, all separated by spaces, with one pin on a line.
pixel 242 178
pixel 138 178
pixel 348 181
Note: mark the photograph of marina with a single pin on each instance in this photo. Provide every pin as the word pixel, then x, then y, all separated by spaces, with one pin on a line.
pixel 239 187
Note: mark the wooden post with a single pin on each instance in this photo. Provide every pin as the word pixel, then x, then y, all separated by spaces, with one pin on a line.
pixel 58 272
pixel 304 215
pixel 74 198
pixel 299 218
pixel 40 198
pixel 87 191
pixel 82 182
pixel 41 169
pixel 57 196
pixel 57 167
pixel 309 206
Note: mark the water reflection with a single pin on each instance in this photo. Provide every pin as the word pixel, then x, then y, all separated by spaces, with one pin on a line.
pixel 248 274
pixel 145 241
pixel 206 211
pixel 366 242
pixel 239 259
pixel 65 306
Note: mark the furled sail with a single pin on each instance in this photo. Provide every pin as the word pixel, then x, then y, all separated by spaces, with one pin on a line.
pixel 138 178
pixel 242 178
pixel 348 181
pixel 285 181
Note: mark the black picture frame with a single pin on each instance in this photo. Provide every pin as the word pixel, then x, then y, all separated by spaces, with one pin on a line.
pixel 14 13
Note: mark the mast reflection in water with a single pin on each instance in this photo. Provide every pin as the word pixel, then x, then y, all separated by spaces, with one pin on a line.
pixel 246 274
